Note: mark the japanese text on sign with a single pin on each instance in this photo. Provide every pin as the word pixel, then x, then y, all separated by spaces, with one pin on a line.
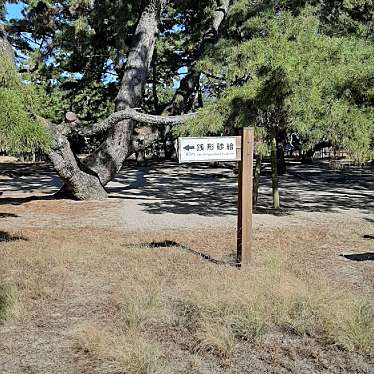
pixel 208 149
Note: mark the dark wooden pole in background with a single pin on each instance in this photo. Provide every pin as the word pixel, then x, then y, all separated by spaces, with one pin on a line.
pixel 244 239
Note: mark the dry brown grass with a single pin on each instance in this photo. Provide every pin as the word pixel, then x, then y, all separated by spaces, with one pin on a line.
pixel 113 353
pixel 124 307
pixel 8 302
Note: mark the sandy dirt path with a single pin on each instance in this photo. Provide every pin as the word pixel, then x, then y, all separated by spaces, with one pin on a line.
pixel 165 196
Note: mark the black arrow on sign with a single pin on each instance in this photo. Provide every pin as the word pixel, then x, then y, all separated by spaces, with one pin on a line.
pixel 188 147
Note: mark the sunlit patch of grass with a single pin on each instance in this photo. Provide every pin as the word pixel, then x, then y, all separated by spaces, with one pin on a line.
pixel 225 305
pixel 8 301
pixel 300 309
pixel 46 278
pixel 140 304
pixel 248 322
pixel 125 353
pixel 353 327
pixel 216 338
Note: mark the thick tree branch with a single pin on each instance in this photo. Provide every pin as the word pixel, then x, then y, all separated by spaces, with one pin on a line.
pixel 181 102
pixel 183 99
pixel 211 36
pixel 5 48
pixel 127 114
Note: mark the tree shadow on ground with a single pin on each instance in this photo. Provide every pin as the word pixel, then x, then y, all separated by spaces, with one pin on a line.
pixel 173 244
pixel 24 200
pixel 179 189
pixel 201 190
pixel 166 187
pixel 8 215
pixel 6 237
pixel 28 178
pixel 367 256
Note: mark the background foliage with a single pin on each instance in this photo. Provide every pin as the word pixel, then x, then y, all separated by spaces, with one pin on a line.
pixel 284 67
pixel 20 104
pixel 304 67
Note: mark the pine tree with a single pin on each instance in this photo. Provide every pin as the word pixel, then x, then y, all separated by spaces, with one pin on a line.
pixel 70 44
pixel 293 67
pixel 281 66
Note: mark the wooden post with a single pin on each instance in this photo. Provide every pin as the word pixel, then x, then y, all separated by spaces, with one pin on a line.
pixel 244 239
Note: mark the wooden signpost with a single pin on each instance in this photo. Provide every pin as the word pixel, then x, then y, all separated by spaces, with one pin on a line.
pixel 229 148
pixel 244 233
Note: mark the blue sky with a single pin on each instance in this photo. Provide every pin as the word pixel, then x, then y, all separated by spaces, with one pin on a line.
pixel 14 10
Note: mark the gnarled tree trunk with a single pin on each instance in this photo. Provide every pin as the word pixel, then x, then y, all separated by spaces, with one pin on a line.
pixel 107 160
pixel 80 182
pixel 86 179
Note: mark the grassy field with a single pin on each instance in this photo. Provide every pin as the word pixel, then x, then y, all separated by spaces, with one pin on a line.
pixel 102 301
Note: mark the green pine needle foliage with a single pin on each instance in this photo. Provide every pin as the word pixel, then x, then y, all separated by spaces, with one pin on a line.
pixel 20 106
pixel 286 72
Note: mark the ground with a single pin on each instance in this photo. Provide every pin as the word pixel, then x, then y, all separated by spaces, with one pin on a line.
pixel 142 283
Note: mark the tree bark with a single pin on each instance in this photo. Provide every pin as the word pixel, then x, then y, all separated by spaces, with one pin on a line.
pixel 6 49
pixel 156 101
pixel 128 114
pixel 80 182
pixel 107 160
pixel 281 161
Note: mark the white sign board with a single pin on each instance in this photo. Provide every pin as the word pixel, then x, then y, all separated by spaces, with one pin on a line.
pixel 208 149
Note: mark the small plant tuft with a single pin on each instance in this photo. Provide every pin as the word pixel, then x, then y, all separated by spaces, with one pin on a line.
pixel 216 338
pixel 125 353
pixel 8 300
pixel 354 326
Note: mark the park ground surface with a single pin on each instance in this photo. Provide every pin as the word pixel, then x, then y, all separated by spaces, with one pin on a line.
pixel 142 282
